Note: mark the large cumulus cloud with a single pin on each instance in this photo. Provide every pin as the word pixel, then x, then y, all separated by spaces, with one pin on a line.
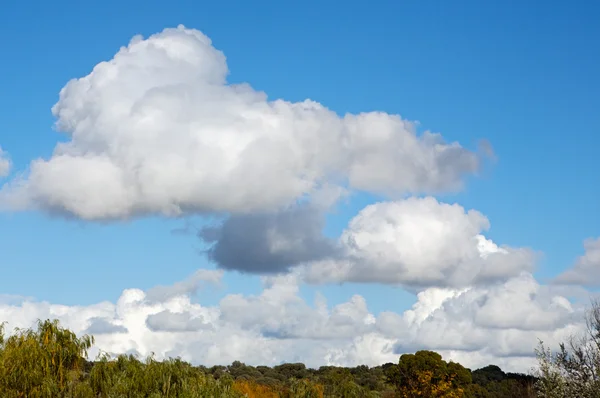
pixel 158 130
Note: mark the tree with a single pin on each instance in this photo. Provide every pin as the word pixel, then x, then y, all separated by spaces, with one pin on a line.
pixel 45 362
pixel 574 370
pixel 341 383
pixel 425 374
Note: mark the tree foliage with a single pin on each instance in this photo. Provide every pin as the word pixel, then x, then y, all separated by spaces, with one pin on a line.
pixel 574 370
pixel 46 362
pixel 425 374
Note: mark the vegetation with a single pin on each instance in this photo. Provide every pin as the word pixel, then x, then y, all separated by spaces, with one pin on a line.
pixel 573 371
pixel 49 361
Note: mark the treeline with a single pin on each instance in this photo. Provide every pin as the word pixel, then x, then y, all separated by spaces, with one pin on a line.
pixel 49 362
pixel 422 374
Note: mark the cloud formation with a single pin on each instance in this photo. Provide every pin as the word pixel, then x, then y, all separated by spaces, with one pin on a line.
pixel 586 270
pixel 477 326
pixel 158 130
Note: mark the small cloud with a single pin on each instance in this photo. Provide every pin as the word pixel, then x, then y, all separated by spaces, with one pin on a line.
pixel 586 270
pixel 486 150
pixel 185 287
pixel 5 163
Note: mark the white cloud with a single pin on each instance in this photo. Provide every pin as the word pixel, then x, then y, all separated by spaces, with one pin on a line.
pixel 5 163
pixel 468 325
pixel 419 243
pixel 586 270
pixel 157 130
pixel 277 325
pixel 279 312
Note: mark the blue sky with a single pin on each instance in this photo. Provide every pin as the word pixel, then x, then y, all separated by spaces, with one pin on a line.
pixel 521 75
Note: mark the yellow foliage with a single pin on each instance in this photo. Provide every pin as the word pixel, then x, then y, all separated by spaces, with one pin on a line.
pixel 299 388
pixel 251 389
pixel 305 389
pixel 425 386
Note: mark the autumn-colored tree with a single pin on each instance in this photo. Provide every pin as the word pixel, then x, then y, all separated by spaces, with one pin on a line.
pixel 425 386
pixel 251 389
pixel 305 389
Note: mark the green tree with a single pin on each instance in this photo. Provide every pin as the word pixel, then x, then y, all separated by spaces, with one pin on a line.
pixel 426 374
pixel 45 362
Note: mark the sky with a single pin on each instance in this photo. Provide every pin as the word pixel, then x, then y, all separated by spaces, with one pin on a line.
pixel 277 182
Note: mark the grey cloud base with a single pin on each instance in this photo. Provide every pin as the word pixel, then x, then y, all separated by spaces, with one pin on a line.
pixel 167 321
pixel 267 243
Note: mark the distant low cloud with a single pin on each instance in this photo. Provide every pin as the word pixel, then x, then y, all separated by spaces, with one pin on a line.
pixel 586 270
pixel 498 324
pixel 5 163
pixel 157 130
